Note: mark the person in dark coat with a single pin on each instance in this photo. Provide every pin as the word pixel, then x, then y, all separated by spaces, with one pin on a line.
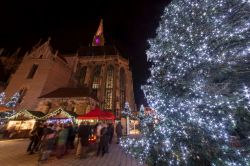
pixel 36 135
pixel 118 130
pixel 103 143
pixel 84 132
pixel 71 136
pixel 110 132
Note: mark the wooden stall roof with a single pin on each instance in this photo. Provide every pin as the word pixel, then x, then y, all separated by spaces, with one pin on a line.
pixel 27 114
pixel 60 110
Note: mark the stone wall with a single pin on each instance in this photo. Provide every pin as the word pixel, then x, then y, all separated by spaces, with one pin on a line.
pixel 80 106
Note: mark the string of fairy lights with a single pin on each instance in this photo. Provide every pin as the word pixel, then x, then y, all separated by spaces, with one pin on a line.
pixel 10 104
pixel 56 112
pixel 194 85
pixel 52 114
pixel 24 113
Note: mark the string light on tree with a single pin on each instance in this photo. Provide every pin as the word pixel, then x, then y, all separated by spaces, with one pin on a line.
pixel 247 95
pixel 2 98
pixel 127 111
pixel 197 57
pixel 14 100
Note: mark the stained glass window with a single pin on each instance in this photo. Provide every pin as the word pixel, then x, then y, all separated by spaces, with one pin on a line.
pixel 122 88
pixel 96 80
pixel 109 88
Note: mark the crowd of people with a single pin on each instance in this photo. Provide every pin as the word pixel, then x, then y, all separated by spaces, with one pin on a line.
pixel 58 139
pixel 46 138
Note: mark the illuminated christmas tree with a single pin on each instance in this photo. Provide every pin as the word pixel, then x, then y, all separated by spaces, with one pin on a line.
pixel 11 104
pixel 2 98
pixel 14 100
pixel 127 111
pixel 197 57
pixel 243 115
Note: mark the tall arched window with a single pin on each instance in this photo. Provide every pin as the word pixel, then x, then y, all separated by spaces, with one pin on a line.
pixel 122 88
pixel 109 88
pixel 82 74
pixel 96 80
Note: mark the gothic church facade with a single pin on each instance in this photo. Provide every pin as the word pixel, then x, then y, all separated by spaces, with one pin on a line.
pixel 94 75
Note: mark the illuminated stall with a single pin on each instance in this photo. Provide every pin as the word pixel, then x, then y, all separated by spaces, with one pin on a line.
pixel 94 116
pixel 97 115
pixel 21 123
pixel 60 116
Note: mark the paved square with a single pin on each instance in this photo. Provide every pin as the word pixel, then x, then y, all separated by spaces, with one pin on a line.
pixel 13 153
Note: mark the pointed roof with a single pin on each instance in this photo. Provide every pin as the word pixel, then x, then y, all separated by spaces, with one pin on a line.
pixel 98 114
pixel 69 92
pixel 27 114
pixel 60 113
pixel 99 31
pixel 98 39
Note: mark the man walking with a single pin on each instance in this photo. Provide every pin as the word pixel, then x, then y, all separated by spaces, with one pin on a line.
pixel 83 134
pixel 118 130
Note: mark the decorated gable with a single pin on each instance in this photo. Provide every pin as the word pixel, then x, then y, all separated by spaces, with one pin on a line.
pixel 60 114
pixel 26 114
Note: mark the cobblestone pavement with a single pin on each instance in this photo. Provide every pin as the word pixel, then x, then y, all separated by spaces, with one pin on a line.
pixel 13 153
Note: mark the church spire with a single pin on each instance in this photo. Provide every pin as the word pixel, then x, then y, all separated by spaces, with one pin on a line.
pixel 98 39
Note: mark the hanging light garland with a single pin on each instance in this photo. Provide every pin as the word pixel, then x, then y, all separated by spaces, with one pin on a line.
pixel 59 111
pixel 24 113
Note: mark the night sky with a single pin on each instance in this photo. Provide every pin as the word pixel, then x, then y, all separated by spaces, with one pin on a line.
pixel 128 25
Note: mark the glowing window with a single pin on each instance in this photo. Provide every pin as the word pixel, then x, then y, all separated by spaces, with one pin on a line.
pixel 122 88
pixel 96 80
pixel 109 88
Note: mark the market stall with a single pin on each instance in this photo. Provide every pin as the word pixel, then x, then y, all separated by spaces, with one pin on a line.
pixel 60 116
pixel 97 115
pixel 21 123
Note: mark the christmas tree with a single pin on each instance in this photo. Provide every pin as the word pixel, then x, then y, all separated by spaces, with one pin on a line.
pixel 243 115
pixel 2 98
pixel 126 112
pixel 14 100
pixel 11 104
pixel 200 57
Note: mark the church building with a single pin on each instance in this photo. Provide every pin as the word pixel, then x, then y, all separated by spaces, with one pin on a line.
pixel 95 75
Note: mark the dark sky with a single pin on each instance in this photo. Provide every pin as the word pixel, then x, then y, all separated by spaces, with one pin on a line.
pixel 128 24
